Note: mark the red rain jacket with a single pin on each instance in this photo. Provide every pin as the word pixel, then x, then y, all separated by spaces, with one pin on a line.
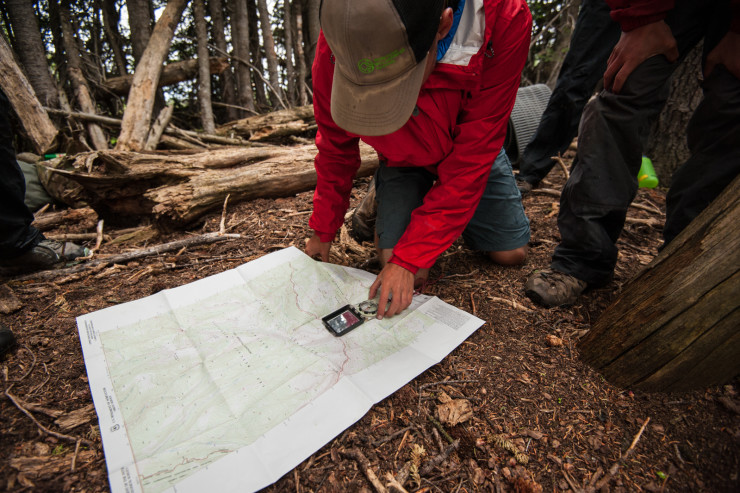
pixel 460 127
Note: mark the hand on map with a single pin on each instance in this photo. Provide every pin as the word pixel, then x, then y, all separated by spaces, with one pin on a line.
pixel 636 46
pixel 315 247
pixel 396 282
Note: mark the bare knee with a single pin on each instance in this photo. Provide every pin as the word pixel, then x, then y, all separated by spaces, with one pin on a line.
pixel 509 257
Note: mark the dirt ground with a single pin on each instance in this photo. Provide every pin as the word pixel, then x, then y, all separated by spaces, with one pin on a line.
pixel 541 420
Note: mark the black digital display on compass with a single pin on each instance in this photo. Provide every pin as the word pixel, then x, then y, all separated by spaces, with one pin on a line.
pixel 343 320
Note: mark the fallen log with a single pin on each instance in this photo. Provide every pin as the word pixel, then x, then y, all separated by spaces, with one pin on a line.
pixel 172 73
pixel 86 217
pixel 292 121
pixel 176 188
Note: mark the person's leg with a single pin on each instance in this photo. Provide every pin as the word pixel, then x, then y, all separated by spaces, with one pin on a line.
pixel 499 226
pixel 595 199
pixel 714 142
pixel 399 190
pixel 16 233
pixel 594 37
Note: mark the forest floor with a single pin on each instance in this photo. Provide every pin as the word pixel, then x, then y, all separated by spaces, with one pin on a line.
pixel 530 399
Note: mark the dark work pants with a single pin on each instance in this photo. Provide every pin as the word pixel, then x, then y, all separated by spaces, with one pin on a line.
pixel 603 182
pixel 16 233
pixel 594 37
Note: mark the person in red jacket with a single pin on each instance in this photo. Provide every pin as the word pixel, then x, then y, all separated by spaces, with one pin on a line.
pixel 430 88
pixel 603 182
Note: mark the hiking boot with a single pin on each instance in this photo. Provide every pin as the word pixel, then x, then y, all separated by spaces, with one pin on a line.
pixel 7 341
pixel 48 254
pixel 363 218
pixel 552 288
pixel 524 186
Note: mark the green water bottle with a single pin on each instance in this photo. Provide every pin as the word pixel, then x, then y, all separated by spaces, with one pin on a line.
pixel 647 178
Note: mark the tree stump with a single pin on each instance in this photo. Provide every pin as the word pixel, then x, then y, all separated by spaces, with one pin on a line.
pixel 675 325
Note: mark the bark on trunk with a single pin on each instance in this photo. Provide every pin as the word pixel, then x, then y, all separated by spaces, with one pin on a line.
pixel 227 76
pixel 674 326
pixel 299 52
pixel 140 23
pixel 290 65
pixel 172 73
pixel 111 19
pixel 269 45
pixel 204 72
pixel 136 118
pixel 79 84
pixel 177 188
pixel 41 131
pixel 258 80
pixel 240 25
pixel 311 19
pixel 31 52
pixel 667 146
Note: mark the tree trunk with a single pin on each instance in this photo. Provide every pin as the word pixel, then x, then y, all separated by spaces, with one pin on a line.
pixel 79 84
pixel 31 52
pixel 177 188
pixel 667 146
pixel 138 114
pixel 290 65
pixel 227 76
pixel 240 25
pixel 562 43
pixel 299 53
pixel 41 131
pixel 204 71
pixel 111 19
pixel 172 73
pixel 299 118
pixel 140 24
pixel 674 326
pixel 258 80
pixel 311 20
pixel 269 45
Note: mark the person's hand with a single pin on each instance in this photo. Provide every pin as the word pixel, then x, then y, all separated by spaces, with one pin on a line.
pixel 396 281
pixel 317 248
pixel 725 53
pixel 636 46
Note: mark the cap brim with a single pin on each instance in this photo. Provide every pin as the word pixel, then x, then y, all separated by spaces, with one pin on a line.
pixel 377 109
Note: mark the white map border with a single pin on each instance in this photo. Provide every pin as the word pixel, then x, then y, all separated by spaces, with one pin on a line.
pixel 285 446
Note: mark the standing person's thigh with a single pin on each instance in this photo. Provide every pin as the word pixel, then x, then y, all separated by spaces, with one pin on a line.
pixel 499 223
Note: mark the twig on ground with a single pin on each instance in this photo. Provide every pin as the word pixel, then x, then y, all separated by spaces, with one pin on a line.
pixel 393 484
pixel 615 467
pixel 572 483
pixel 439 458
pixel 441 429
pixel 222 224
pixel 98 235
pixel 511 303
pixel 558 159
pixel 43 428
pixel 74 457
pixel 203 239
pixel 387 438
pixel 356 455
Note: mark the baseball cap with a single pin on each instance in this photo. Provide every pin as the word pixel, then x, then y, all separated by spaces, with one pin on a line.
pixel 380 49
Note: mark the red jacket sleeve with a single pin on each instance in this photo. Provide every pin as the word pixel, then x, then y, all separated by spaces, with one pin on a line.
pixel 338 157
pixel 477 139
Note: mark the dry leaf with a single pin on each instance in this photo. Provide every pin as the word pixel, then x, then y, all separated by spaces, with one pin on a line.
pixel 553 340
pixel 454 412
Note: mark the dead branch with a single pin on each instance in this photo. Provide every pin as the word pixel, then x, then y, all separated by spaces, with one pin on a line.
pixel 101 262
pixel 43 428
pixel 439 458
pixel 563 167
pixel 356 455
pixel 511 303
